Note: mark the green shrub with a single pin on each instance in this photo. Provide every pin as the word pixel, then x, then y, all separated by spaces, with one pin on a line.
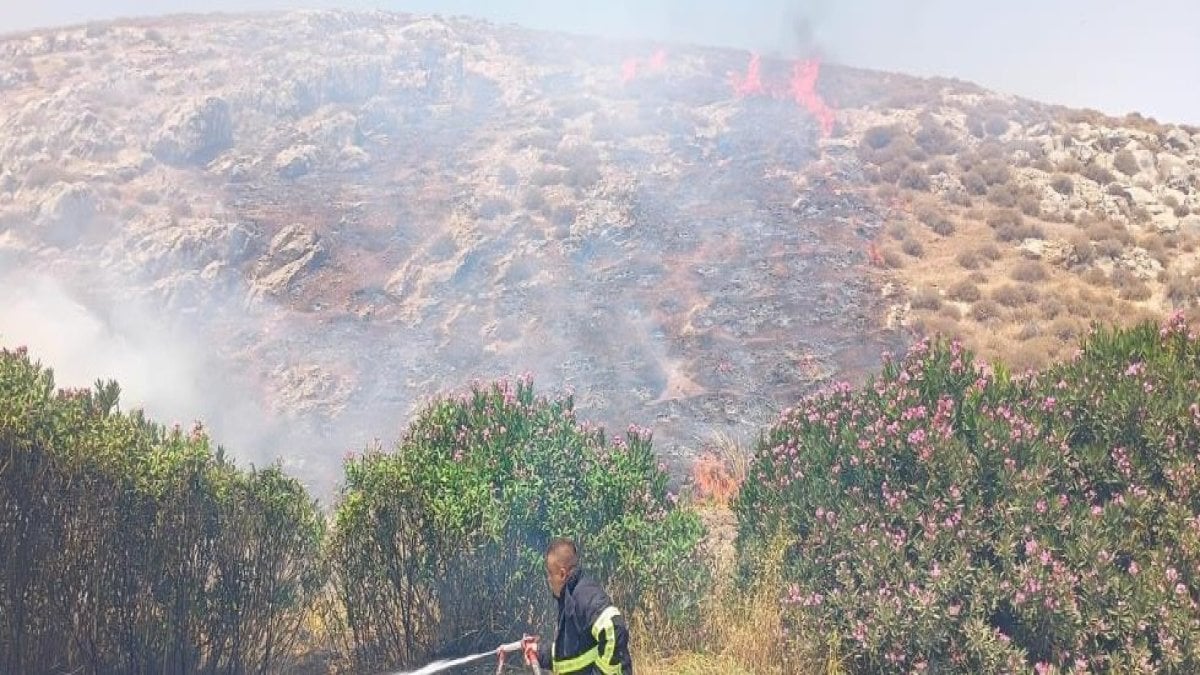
pixel 443 537
pixel 133 548
pixel 956 519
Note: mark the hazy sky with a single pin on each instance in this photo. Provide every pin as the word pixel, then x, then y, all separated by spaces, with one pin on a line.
pixel 1114 55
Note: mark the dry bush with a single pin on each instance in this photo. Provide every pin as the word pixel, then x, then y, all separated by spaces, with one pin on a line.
pixel 1126 163
pixel 1029 330
pixel 964 291
pixel 951 312
pixel 960 198
pixel 978 278
pixel 926 298
pixel 1099 174
pixel 1101 230
pixel 1051 307
pixel 533 200
pixel 546 176
pixel 1156 248
pixel 1002 195
pixel 990 251
pixel 935 219
pixel 974 183
pixel 892 258
pixel 914 177
pixel 1063 184
pixel 1109 248
pixel 1181 290
pixel 1034 354
pixel 995 172
pixel 1129 286
pixel 995 125
pixel 935 139
pixel 1010 225
pixel 970 260
pixel 1014 295
pixel 1096 277
pixel 930 325
pixel 1081 248
pixel 880 137
pixel 1029 270
pixel 1030 205
pixel 506 175
pixel 898 230
pixel 913 247
pixel 1070 165
pixel 493 207
pixel 1066 328
pixel 986 310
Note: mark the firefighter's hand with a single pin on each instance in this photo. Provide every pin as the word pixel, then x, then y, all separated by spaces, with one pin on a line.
pixel 529 646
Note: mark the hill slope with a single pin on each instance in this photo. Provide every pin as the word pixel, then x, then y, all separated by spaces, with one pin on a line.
pixel 329 216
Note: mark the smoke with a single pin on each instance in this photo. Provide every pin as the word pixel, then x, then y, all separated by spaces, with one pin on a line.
pixel 164 365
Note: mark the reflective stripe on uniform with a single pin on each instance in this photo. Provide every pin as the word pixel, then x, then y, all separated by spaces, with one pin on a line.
pixel 575 663
pixel 604 626
pixel 603 661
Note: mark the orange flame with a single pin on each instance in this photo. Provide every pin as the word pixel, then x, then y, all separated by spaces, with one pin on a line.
pixel 751 84
pixel 629 69
pixel 802 88
pixel 713 480
pixel 630 66
pixel 658 61
pixel 804 92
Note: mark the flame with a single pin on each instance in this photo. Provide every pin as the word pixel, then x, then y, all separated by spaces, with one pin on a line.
pixel 629 70
pixel 631 66
pixel 658 61
pixel 804 92
pixel 802 88
pixel 751 84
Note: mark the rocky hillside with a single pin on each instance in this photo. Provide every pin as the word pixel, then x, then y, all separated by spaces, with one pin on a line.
pixel 350 212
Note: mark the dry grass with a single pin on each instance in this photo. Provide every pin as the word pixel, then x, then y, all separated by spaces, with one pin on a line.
pixel 1129 286
pixel 986 310
pixel 1028 270
pixel 913 247
pixel 964 291
pixel 1015 295
pixel 926 298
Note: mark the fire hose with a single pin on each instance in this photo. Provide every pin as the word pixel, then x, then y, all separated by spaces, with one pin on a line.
pixel 501 653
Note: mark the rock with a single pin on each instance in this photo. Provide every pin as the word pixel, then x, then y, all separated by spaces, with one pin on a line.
pixel 1179 139
pixel 191 244
pixel 1054 252
pixel 1139 261
pixel 296 161
pixel 65 216
pixel 1172 167
pixel 293 251
pixel 195 133
pixel 353 158
pixel 1190 225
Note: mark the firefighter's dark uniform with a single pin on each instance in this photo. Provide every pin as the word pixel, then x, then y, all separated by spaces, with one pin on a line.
pixel 592 637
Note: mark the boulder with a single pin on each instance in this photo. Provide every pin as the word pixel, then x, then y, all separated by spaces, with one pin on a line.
pixel 195 133
pixel 67 214
pixel 1180 140
pixel 296 161
pixel 1139 261
pixel 293 251
pixel 1052 251
pixel 1190 225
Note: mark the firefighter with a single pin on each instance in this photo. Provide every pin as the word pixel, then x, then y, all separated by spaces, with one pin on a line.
pixel 591 637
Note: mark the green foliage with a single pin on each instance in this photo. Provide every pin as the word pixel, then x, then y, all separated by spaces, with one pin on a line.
pixel 133 548
pixel 961 519
pixel 443 538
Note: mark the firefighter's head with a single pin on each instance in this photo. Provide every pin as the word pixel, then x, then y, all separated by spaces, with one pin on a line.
pixel 561 559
